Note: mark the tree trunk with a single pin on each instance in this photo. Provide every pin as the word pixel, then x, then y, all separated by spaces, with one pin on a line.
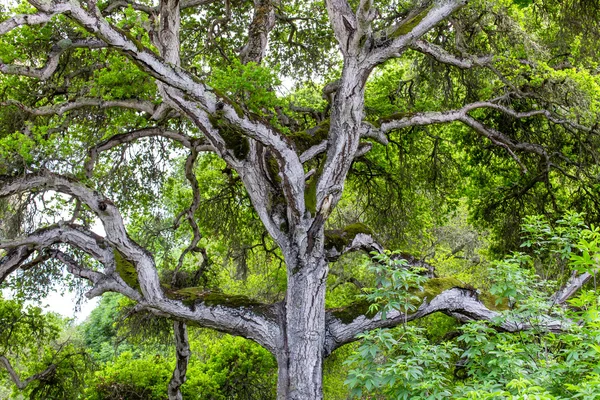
pixel 300 360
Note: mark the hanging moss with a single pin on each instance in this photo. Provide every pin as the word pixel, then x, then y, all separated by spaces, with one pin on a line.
pixel 340 238
pixel 232 135
pixel 273 169
pixel 126 270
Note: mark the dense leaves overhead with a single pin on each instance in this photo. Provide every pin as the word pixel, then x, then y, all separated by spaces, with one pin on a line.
pixel 215 163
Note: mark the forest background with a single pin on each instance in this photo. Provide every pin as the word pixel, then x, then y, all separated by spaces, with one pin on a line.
pixel 471 157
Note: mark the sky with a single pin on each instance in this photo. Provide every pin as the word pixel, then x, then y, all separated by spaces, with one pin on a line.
pixel 63 304
pixel 62 301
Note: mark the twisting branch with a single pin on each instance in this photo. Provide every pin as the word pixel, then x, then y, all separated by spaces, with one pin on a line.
pixel 441 55
pixel 131 136
pixel 182 354
pixel 74 235
pixel 22 384
pixel 82 102
pixel 460 303
pixel 120 4
pixel 501 140
pixel 26 19
pixel 106 212
pixel 496 137
pixel 251 320
pixel 101 282
pixel 396 39
pixel 195 99
pixel 117 5
pixel 190 174
pixel 46 71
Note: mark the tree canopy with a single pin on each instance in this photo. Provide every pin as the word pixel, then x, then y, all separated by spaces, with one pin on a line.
pixel 231 165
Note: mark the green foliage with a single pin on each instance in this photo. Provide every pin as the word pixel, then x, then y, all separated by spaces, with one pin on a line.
pixel 32 341
pixel 220 368
pixel 128 377
pixel 407 193
pixel 396 285
pixel 401 366
pixel 477 361
pixel 138 363
pixel 231 368
pixel 100 332
pixel 566 245
pixel 250 85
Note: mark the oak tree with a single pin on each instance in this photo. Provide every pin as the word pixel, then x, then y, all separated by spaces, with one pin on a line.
pixel 101 98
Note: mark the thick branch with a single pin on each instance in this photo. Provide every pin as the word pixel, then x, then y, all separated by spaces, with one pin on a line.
pixel 237 319
pixel 399 37
pixel 76 236
pixel 573 285
pixel 343 21
pixel 13 260
pixel 459 303
pixel 262 23
pixel 71 234
pixel 235 315
pixel 25 19
pixel 313 151
pixel 360 242
pixel 46 71
pixel 109 215
pixel 82 102
pixel 168 31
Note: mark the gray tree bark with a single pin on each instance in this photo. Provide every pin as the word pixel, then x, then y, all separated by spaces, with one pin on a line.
pixel 299 331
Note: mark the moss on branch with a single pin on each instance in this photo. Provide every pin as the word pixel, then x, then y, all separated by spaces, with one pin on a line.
pixel 126 270
pixel 341 238
pixel 233 136
pixel 193 295
pixel 431 289
pixel 353 311
pixel 304 140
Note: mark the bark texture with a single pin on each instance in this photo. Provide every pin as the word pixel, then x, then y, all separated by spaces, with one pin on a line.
pixel 300 332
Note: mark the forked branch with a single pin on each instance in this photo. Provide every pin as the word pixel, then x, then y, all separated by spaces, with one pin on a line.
pixel 22 384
